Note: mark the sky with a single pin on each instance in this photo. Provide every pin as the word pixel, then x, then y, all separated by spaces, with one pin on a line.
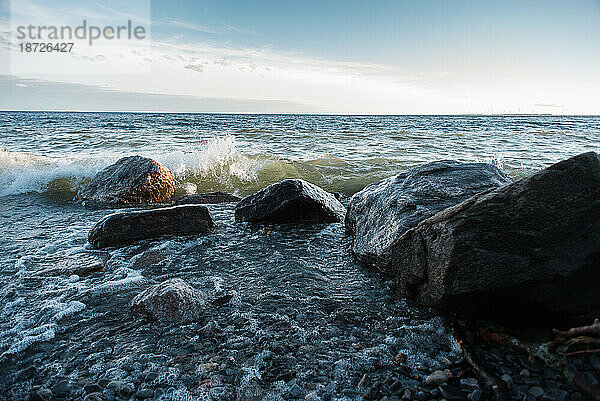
pixel 334 57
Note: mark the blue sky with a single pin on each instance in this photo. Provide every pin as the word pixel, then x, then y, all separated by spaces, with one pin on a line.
pixel 389 57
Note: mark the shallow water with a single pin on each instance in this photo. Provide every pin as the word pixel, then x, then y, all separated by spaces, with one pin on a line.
pixel 303 311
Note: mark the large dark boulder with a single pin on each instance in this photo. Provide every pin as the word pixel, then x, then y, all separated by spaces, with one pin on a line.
pixel 128 227
pixel 208 198
pixel 290 201
pixel 130 180
pixel 379 214
pixel 526 251
pixel 170 301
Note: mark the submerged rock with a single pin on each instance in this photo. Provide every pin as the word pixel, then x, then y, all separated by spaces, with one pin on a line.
pixel 171 300
pixel 128 227
pixel 212 197
pixel 130 180
pixel 529 250
pixel 383 211
pixel 290 201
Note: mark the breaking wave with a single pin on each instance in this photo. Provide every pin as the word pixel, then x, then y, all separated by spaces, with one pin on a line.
pixel 213 165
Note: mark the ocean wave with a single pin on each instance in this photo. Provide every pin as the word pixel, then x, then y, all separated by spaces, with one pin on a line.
pixel 22 172
pixel 212 165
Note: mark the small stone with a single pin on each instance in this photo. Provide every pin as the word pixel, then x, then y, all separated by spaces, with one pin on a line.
pixel 92 388
pixel 536 391
pixel 524 373
pixel 43 394
pixel 469 383
pixel 591 378
pixel 388 380
pixel 447 362
pixel 295 390
pixel 103 382
pixel 475 395
pixel 364 382
pixel 436 378
pixel 26 373
pixel 115 386
pixel 400 359
pixel 407 394
pixel 452 393
pixel 421 396
pixel 507 379
pixel 144 393
pixel 305 349
pixel 208 367
pixel 94 397
pixel 312 396
pixel 128 389
pixel 62 387
pixel 396 386
pixel 150 377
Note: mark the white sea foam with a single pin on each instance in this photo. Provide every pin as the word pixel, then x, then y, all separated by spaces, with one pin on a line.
pixel 219 158
pixel 127 278
pixel 31 330
pixel 24 172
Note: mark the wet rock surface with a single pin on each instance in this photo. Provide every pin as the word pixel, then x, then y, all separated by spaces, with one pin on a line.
pixel 383 211
pixel 290 201
pixel 170 301
pixel 528 250
pixel 131 180
pixel 125 228
pixel 208 198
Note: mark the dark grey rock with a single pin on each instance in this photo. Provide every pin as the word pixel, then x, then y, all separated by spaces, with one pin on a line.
pixel 43 394
pixel 290 201
pixel 436 378
pixel 536 391
pixel 223 300
pixel 144 393
pixel 452 393
pixel 171 300
pixel 475 395
pixel 295 390
pixel 94 397
pixel 529 250
pixel 469 383
pixel 62 387
pixel 26 374
pixel 115 386
pixel 130 180
pixel 92 388
pixel 208 198
pixel 128 389
pixel 124 228
pixel 383 211
pixel 158 393
pixel 150 377
pixel 103 382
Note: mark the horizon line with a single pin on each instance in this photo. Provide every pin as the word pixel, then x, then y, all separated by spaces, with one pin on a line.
pixel 303 114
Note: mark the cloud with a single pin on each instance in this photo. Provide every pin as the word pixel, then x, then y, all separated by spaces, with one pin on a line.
pixel 19 94
pixel 551 105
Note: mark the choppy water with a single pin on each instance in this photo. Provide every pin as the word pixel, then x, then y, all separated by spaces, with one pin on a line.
pixel 303 312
